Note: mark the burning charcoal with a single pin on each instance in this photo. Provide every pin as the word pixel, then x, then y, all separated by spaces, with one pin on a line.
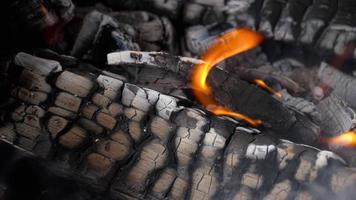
pixel 341 32
pixel 336 116
pixel 90 30
pixel 64 60
pixel 239 95
pixel 316 19
pixel 252 74
pixel 156 70
pixel 301 105
pixel 332 115
pixel 297 71
pixel 254 58
pixel 97 28
pixel 199 38
pixel 132 129
pixel 113 33
pixel 288 66
pixel 37 65
pixel 244 12
pixel 254 65
pixel 204 12
pixel 180 65
pixel 137 59
pixel 287 27
pixel 270 14
pixel 153 33
pixel 322 23
pixel 156 31
pixel 155 146
pixel 342 85
pixel 155 60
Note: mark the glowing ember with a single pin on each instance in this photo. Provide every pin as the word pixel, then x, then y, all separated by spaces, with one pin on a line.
pixel 229 44
pixel 346 139
pixel 263 85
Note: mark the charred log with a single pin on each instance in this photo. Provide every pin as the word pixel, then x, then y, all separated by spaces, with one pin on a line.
pixel 134 143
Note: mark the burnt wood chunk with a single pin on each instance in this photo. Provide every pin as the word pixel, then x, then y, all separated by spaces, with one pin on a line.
pixel 34 82
pixel 115 109
pixel 135 131
pixel 121 137
pixel 164 182
pixel 106 120
pixel 270 13
pixel 250 100
pixel 62 112
pixel 29 96
pixel 288 27
pixel 99 163
pixel 181 65
pixel 93 23
pixel 101 100
pixel 142 99
pixel 74 138
pixel 111 86
pixel 341 33
pixel 37 65
pixel 316 19
pixel 336 117
pixel 7 132
pixel 149 145
pixel 161 128
pixel 343 85
pixel 27 131
pixel 89 110
pixel 152 157
pixel 90 126
pixel 68 101
pixel 74 84
pixel 55 125
pixel 113 149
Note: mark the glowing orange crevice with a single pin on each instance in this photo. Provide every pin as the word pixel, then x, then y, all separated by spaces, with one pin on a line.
pixel 228 45
pixel 346 139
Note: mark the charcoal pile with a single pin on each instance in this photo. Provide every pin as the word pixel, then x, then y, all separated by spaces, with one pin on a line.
pixel 100 99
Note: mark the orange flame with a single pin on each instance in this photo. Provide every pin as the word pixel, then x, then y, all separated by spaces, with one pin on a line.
pixel 228 45
pixel 345 139
pixel 263 85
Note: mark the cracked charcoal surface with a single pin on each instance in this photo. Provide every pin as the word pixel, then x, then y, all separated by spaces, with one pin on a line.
pixel 323 24
pixel 130 131
pixel 138 143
